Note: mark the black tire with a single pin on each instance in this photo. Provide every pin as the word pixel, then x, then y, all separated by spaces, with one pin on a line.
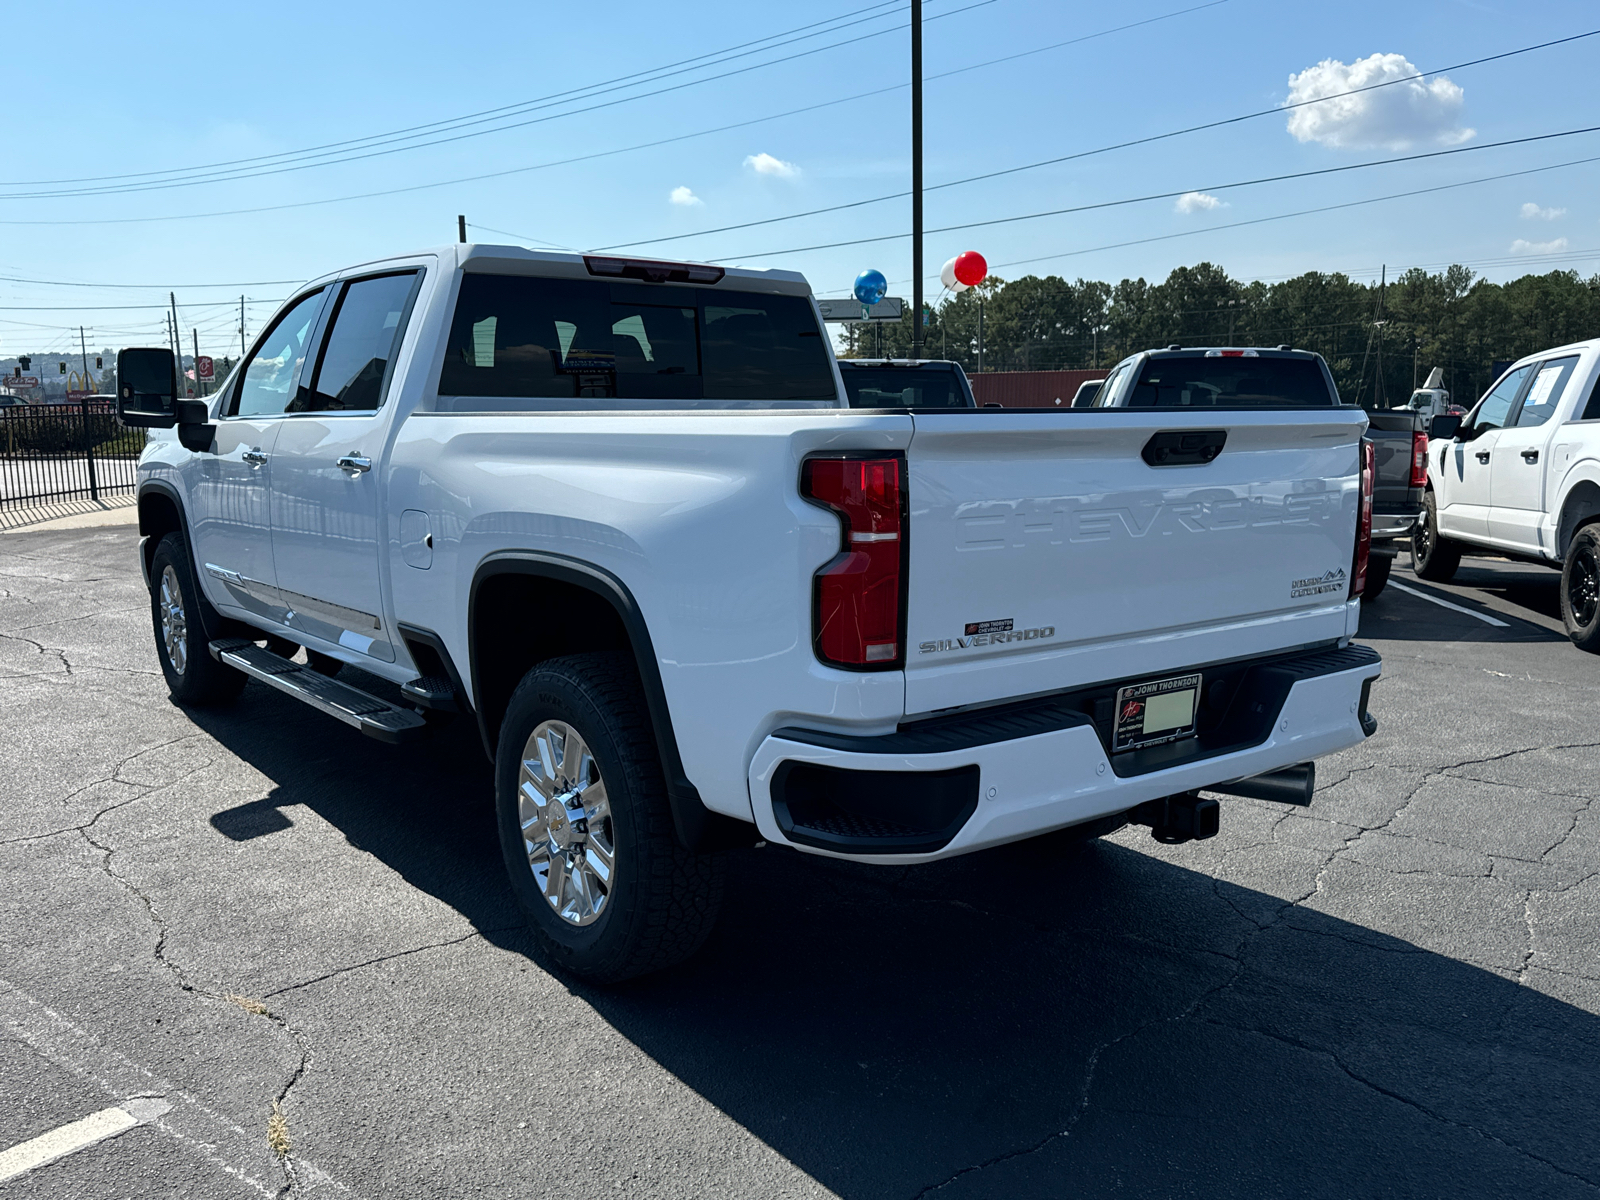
pixel 1580 589
pixel 662 901
pixel 198 679
pixel 1378 567
pixel 1433 557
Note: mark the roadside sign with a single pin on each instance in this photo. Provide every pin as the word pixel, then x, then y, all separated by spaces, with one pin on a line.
pixel 889 308
pixel 21 381
pixel 203 367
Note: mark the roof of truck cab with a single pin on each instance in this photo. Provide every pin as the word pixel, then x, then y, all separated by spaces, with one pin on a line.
pixel 1231 352
pixel 520 259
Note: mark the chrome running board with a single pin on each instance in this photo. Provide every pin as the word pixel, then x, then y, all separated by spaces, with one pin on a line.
pixel 360 710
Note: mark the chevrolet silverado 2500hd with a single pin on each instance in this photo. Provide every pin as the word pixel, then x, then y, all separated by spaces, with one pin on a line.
pixel 1520 476
pixel 621 515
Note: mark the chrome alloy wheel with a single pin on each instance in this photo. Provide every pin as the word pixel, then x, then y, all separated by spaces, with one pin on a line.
pixel 567 829
pixel 174 625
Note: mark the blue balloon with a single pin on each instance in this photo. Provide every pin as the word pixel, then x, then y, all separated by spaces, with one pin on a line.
pixel 870 286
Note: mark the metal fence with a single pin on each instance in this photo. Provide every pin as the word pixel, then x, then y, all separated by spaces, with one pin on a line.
pixel 55 452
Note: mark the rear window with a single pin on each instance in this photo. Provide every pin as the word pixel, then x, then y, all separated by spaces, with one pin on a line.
pixel 903 387
pixel 521 342
pixel 1181 381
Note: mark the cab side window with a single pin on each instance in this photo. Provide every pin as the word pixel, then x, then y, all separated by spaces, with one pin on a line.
pixel 366 328
pixel 1545 393
pixel 267 379
pixel 1496 406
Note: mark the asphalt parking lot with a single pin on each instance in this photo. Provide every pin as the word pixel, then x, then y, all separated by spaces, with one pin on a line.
pixel 277 933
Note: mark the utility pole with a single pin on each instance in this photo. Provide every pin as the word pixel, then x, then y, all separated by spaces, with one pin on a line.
pixel 1383 319
pixel 980 335
pixel 177 338
pixel 199 388
pixel 916 178
pixel 83 346
pixel 241 326
pixel 461 224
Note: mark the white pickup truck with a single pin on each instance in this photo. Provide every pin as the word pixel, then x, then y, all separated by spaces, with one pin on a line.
pixel 1519 476
pixel 620 513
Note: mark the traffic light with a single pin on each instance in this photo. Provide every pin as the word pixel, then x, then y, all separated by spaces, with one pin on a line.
pixel 98 365
pixel 26 362
pixel 63 367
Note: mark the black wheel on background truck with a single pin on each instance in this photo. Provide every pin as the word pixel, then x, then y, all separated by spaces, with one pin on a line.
pixel 586 827
pixel 1433 558
pixel 1580 589
pixel 1378 566
pixel 193 676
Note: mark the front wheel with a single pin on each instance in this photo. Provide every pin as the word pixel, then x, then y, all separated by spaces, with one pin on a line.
pixel 1580 590
pixel 586 828
pixel 1433 557
pixel 193 676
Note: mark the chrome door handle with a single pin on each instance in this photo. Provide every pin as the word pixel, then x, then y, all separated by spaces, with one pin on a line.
pixel 1483 456
pixel 1530 456
pixel 254 457
pixel 355 463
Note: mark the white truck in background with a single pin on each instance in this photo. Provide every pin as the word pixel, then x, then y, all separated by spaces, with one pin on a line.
pixel 620 514
pixel 1519 476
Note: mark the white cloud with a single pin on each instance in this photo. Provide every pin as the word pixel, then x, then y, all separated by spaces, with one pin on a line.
pixel 1523 246
pixel 1532 212
pixel 1193 202
pixel 766 164
pixel 684 198
pixel 1401 115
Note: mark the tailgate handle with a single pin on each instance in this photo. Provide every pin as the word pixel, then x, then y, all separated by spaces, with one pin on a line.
pixel 1183 447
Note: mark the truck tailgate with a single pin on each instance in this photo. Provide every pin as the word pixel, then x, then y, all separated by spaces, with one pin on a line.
pixel 1046 553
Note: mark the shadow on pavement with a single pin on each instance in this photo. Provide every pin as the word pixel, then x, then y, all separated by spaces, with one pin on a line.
pixel 1397 616
pixel 889 1030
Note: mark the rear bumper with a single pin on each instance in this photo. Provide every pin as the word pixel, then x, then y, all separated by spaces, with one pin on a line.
pixel 1027 770
pixel 1392 525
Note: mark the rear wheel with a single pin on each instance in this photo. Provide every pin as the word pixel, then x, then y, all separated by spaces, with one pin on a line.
pixel 1433 557
pixel 193 676
pixel 586 828
pixel 1580 590
pixel 1378 567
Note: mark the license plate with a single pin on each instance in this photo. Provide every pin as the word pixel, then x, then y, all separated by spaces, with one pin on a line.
pixel 1159 711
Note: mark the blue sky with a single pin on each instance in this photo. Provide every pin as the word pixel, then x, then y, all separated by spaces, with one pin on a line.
pixel 176 86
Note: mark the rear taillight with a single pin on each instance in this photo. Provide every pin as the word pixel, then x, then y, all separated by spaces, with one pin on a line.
pixel 1419 460
pixel 857 609
pixel 1358 572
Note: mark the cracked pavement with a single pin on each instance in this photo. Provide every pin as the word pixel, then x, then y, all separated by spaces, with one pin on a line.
pixel 256 910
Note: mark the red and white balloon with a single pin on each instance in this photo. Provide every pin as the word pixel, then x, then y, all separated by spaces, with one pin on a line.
pixel 964 271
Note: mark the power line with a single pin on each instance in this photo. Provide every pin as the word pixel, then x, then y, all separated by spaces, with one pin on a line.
pixel 1050 162
pixel 114 307
pixel 598 154
pixel 68 283
pixel 126 189
pixel 521 105
pixel 1302 213
pixel 1214 187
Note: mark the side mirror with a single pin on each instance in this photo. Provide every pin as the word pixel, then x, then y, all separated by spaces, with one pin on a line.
pixel 1442 428
pixel 147 388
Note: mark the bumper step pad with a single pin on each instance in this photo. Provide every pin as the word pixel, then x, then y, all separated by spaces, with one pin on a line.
pixel 374 717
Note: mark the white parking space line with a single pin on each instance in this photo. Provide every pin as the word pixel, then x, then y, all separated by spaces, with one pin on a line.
pixel 1484 617
pixel 216 1138
pixel 79 1135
